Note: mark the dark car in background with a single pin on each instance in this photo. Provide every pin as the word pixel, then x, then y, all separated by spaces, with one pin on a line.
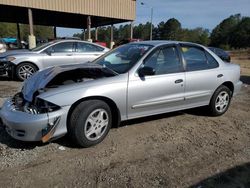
pixel 221 53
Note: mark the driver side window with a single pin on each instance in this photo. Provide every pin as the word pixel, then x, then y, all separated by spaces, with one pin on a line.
pixel 164 61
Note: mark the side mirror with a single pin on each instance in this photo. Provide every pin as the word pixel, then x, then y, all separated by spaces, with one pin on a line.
pixel 49 51
pixel 146 71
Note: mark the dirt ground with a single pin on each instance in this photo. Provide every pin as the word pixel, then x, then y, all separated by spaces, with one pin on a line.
pixel 182 149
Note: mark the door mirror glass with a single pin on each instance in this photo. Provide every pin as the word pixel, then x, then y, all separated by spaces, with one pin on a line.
pixel 146 71
pixel 49 51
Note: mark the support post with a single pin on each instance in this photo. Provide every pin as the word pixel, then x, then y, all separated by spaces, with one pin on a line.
pixel 96 33
pixel 89 28
pixel 151 28
pixel 131 30
pixel 55 35
pixel 84 34
pixel 18 36
pixel 32 38
pixel 112 36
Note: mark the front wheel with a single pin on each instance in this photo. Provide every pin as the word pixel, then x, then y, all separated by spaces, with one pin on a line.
pixel 25 70
pixel 90 122
pixel 220 101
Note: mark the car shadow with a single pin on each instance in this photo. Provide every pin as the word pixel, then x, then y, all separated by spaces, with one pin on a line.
pixel 245 79
pixel 67 142
pixel 5 78
pixel 239 176
pixel 7 140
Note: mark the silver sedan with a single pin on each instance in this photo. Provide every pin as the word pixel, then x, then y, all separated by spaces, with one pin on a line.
pixel 135 80
pixel 23 63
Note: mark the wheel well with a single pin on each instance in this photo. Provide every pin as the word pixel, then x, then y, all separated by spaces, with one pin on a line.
pixel 229 85
pixel 29 63
pixel 116 117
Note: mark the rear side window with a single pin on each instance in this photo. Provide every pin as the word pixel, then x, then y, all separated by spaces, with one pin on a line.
pixel 84 47
pixel 197 59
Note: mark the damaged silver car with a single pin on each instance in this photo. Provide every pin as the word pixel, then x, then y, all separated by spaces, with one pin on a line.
pixel 134 80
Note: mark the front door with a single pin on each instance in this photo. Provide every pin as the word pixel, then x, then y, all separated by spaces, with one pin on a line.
pixel 59 54
pixel 161 92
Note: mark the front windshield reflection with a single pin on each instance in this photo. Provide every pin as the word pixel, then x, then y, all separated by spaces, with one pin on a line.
pixel 123 58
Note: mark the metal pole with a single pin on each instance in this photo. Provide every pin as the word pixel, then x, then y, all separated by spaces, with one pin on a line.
pixel 31 21
pixel 151 28
pixel 96 33
pixel 55 36
pixel 88 28
pixel 18 35
pixel 131 30
pixel 84 34
pixel 111 36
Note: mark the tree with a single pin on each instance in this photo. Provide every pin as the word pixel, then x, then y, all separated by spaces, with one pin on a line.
pixel 171 30
pixel 220 36
pixel 240 37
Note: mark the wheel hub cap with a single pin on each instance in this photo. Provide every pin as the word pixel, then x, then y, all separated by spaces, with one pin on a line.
pixel 222 101
pixel 96 124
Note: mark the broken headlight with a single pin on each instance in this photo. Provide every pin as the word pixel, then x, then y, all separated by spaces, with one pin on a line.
pixel 40 106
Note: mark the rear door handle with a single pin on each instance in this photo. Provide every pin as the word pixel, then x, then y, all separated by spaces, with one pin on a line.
pixel 178 81
pixel 219 75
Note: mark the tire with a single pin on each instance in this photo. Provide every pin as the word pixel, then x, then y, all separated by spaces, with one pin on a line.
pixel 85 127
pixel 25 70
pixel 220 101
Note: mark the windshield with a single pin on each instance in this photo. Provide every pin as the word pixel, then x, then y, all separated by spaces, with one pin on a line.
pixel 121 59
pixel 38 48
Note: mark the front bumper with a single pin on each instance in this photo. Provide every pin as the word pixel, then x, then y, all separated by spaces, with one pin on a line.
pixel 31 127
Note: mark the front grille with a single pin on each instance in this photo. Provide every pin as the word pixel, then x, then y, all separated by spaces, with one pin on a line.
pixel 15 132
pixel 20 133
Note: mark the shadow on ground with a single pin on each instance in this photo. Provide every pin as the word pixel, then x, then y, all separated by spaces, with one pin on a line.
pixel 66 141
pixel 237 177
pixel 245 79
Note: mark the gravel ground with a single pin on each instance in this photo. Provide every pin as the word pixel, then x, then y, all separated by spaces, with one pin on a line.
pixel 181 149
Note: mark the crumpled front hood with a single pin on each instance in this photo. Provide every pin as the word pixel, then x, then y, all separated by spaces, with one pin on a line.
pixel 41 78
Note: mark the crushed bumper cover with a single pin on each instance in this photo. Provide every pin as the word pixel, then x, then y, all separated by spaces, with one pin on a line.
pixel 33 127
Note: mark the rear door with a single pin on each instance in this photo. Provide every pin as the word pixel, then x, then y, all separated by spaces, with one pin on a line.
pixel 202 75
pixel 87 52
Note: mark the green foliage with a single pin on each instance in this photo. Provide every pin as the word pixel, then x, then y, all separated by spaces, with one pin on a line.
pixel 233 32
pixel 10 30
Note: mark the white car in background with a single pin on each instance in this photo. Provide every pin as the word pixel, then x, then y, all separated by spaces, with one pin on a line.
pixel 3 46
pixel 23 63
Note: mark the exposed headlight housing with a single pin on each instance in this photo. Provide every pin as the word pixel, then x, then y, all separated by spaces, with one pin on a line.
pixel 40 106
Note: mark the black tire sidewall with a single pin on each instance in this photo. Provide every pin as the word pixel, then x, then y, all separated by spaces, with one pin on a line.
pixel 213 109
pixel 79 117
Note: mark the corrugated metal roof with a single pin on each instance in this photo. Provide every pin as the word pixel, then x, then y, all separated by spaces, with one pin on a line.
pixel 119 9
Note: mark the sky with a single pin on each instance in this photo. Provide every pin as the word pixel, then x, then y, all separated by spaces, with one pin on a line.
pixel 190 13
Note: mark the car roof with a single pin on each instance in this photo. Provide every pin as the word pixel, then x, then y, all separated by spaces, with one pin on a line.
pixel 162 42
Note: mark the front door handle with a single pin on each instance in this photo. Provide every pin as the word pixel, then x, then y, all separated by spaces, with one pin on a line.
pixel 178 81
pixel 219 75
pixel 69 54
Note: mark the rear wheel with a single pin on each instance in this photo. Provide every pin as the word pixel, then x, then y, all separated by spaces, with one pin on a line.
pixel 25 70
pixel 90 122
pixel 220 101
